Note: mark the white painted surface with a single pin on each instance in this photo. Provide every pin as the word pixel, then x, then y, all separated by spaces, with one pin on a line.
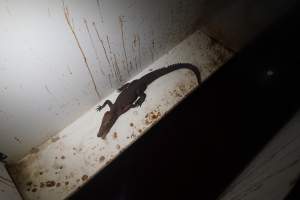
pixel 64 163
pixel 273 173
pixel 8 190
pixel 45 83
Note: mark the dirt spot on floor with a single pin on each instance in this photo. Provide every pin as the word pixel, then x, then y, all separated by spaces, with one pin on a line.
pixel 115 135
pixel 50 183
pixel 84 177
pixel 180 91
pixel 101 159
pixel 152 116
pixel 29 183
pixel 42 185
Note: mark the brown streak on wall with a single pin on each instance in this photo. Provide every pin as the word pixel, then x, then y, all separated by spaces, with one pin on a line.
pixel 123 41
pixel 108 42
pixel 93 45
pixel 140 58
pixel 67 18
pixel 117 68
pixel 100 40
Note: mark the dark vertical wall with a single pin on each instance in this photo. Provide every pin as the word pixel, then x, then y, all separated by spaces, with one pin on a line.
pixel 238 22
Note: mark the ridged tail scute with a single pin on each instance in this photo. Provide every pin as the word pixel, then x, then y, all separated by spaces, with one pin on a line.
pixel 189 66
pixel 152 76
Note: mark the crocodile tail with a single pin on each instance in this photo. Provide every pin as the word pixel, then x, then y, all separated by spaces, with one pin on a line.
pixel 187 66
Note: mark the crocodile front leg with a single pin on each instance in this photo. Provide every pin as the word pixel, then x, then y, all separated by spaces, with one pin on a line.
pixel 107 102
pixel 139 101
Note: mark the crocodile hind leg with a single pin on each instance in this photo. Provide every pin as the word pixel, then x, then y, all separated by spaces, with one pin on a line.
pixel 107 102
pixel 139 101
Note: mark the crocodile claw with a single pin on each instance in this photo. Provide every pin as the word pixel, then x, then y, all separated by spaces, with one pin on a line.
pixel 99 108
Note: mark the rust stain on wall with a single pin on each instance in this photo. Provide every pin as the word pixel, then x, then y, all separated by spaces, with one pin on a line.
pixel 139 50
pixel 131 65
pixel 121 20
pixel 67 18
pixel 136 64
pixel 134 43
pixel 110 62
pixel 127 68
pixel 109 80
pixel 108 43
pixel 134 52
pixel 153 47
pixel 93 45
pixel 152 54
pixel 117 69
pixel 100 40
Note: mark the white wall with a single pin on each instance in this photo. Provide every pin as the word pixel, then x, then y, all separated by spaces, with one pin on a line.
pixel 45 82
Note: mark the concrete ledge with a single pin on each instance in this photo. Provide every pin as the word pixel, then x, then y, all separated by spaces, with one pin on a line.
pixel 68 160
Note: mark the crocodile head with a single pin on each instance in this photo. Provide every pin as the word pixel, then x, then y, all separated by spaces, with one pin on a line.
pixel 108 121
